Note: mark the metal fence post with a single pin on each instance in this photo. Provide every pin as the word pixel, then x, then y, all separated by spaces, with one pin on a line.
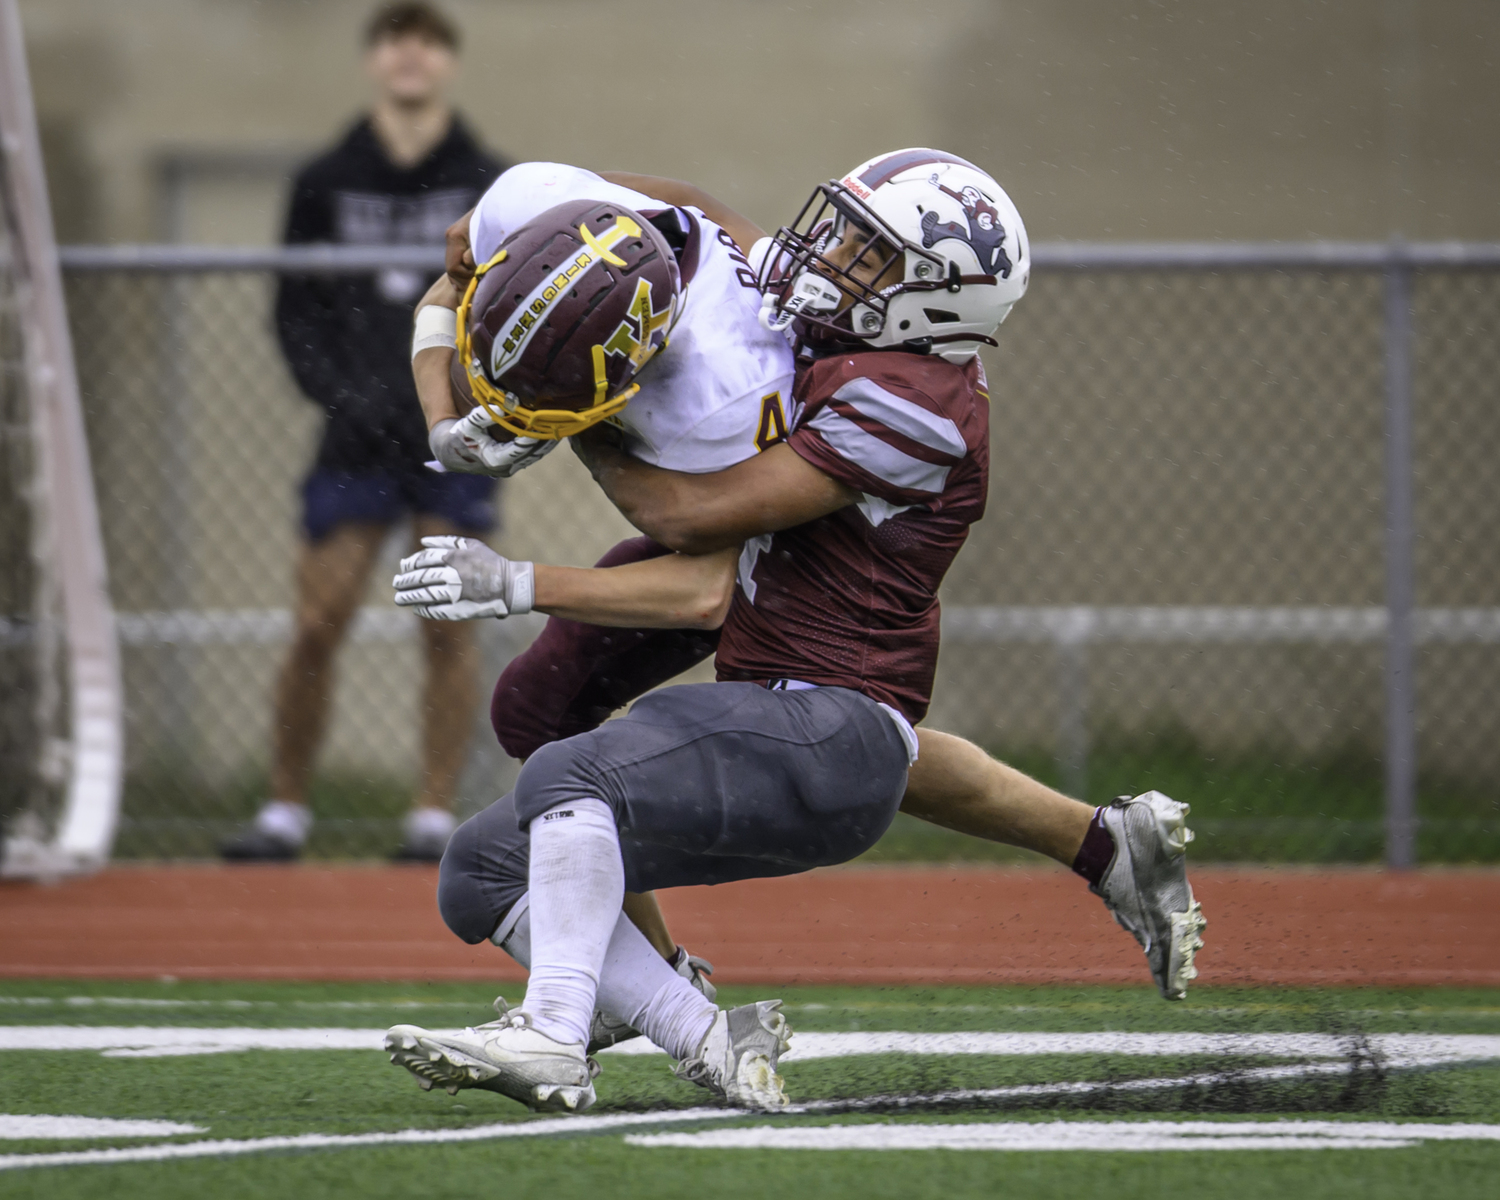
pixel 1400 537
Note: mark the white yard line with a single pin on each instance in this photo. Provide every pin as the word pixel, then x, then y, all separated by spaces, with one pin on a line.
pixel 1075 1135
pixel 222 1002
pixel 999 1135
pixel 1329 1055
pixel 327 1141
pixel 141 1040
pixel 1397 1049
pixel 14 1127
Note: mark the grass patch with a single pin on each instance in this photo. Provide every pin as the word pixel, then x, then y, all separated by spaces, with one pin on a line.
pixel 289 1093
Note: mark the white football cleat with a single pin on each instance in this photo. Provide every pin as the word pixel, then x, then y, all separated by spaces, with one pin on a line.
pixel 739 1055
pixel 1146 886
pixel 506 1056
pixel 606 1031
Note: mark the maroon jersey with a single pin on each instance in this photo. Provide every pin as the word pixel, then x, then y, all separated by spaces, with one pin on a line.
pixel 850 599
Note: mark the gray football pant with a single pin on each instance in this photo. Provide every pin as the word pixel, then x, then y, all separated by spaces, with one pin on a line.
pixel 709 783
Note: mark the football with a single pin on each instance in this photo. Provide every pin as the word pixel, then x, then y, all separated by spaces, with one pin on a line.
pixel 463 398
pixel 458 381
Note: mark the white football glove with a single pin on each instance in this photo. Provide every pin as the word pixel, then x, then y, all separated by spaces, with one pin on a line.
pixel 461 579
pixel 464 445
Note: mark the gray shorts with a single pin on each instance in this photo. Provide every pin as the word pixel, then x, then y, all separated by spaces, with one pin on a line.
pixel 709 783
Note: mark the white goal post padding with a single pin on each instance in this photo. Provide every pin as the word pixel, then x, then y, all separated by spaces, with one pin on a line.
pixel 85 828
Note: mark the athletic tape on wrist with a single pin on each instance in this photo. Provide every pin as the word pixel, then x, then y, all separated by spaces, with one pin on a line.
pixel 435 326
pixel 437 436
pixel 522 588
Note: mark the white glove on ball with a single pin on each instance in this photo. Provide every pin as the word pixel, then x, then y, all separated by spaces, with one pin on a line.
pixel 465 446
pixel 461 579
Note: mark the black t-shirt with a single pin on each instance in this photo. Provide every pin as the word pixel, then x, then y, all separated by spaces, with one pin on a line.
pixel 347 338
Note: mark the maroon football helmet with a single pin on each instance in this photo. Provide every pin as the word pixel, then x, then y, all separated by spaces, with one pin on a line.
pixel 554 329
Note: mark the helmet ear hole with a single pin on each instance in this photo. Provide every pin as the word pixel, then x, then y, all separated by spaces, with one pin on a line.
pixel 939 316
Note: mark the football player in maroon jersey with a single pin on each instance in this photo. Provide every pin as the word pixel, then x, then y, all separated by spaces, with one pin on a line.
pixel 826 658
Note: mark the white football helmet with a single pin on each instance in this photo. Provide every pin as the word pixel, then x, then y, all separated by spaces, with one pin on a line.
pixel 965 258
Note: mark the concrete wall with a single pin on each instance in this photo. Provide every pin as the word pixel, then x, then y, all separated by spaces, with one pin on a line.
pixel 1104 118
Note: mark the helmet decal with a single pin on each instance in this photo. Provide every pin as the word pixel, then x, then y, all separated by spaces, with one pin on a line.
pixel 985 235
pixel 531 310
pixel 635 337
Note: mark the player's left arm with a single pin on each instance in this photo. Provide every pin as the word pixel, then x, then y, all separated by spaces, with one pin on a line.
pixel 462 579
pixel 698 514
pixel 430 366
pixel 674 591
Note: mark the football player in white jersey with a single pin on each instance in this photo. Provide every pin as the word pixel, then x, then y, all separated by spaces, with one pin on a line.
pixel 716 396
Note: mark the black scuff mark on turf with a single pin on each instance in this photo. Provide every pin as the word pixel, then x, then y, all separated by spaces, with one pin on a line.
pixel 1361 1081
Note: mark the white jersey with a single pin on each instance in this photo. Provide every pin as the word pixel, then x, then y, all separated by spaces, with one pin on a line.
pixel 720 391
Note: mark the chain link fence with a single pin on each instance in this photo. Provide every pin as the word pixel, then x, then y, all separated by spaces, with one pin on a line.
pixel 1190 576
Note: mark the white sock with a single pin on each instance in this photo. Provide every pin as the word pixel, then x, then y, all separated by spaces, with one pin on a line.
pixel 577 887
pixel 635 985
pixel 284 820
pixel 641 987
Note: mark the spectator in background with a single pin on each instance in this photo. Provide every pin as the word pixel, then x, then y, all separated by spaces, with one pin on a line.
pixel 401 176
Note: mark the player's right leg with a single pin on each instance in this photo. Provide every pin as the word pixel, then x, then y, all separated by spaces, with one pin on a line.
pixel 706 784
pixel 332 572
pixel 1133 852
pixel 483 896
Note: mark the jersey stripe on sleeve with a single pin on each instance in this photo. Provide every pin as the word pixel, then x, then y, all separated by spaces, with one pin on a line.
pixel 930 429
pixel 892 439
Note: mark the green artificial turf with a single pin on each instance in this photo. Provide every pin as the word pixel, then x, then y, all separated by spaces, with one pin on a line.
pixel 259 1094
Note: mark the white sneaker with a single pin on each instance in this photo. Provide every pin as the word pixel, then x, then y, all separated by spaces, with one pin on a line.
pixel 1146 886
pixel 739 1055
pixel 606 1031
pixel 506 1056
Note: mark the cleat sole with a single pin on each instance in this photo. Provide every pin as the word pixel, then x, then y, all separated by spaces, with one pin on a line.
pixel 562 1097
pixel 1187 940
pixel 757 1085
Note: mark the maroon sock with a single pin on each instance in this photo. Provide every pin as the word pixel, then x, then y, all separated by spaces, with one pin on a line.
pixel 1097 851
